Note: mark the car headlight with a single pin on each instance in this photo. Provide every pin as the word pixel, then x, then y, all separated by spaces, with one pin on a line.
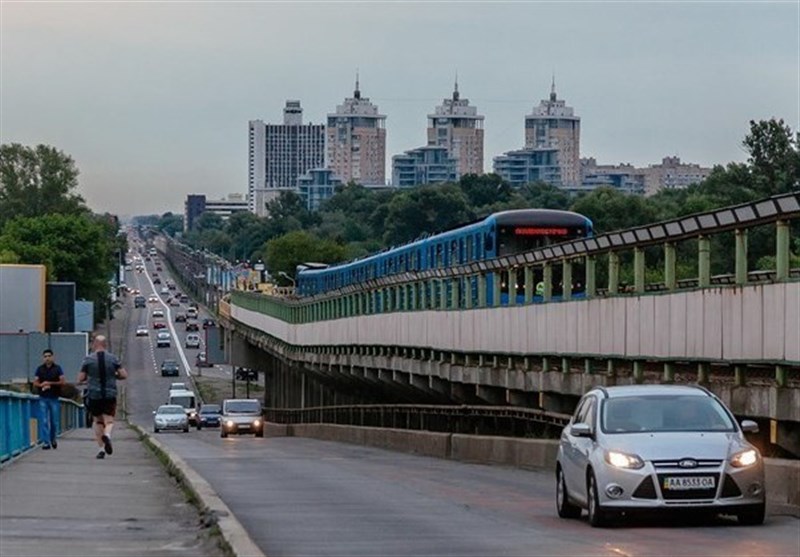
pixel 256 423
pixel 744 458
pixel 622 460
pixel 229 423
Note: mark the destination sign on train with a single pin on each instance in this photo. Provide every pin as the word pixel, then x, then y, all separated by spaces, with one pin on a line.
pixel 537 231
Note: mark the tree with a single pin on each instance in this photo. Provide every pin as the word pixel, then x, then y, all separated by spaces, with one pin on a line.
pixel 610 209
pixel 170 224
pixel 74 248
pixel 774 156
pixel 540 195
pixel 485 189
pixel 285 253
pixel 37 181
pixel 425 209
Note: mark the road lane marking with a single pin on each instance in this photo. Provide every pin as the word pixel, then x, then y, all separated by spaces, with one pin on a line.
pixel 170 324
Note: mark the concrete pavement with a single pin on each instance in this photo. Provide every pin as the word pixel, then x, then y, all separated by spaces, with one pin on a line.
pixel 65 502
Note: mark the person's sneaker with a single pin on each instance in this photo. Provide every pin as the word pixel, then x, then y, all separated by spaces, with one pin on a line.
pixel 45 447
pixel 101 454
pixel 54 444
pixel 107 443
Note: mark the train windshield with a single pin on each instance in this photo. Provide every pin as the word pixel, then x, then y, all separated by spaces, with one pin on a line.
pixel 518 239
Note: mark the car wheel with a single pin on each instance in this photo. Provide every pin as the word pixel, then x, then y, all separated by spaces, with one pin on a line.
pixel 565 508
pixel 199 427
pixel 598 517
pixel 753 515
pixel 186 429
pixel 260 433
pixel 155 430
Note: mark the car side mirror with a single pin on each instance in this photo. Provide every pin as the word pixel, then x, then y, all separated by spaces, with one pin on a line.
pixel 749 426
pixel 581 430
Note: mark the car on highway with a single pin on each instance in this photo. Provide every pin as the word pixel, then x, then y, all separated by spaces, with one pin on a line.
pixel 644 448
pixel 170 416
pixel 158 268
pixel 169 368
pixel 192 341
pixel 158 324
pixel 139 302
pixel 241 415
pixel 201 360
pixel 184 299
pixel 158 313
pixel 180 317
pixel 152 299
pixel 174 302
pixel 163 340
pixel 142 331
pixel 209 416
pixel 187 401
pixel 165 290
pixel 191 325
pixel 178 387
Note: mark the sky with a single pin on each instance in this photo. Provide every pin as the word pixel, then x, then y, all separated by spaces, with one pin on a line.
pixel 152 99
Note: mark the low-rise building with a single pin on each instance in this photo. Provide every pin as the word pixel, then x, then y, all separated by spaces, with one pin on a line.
pixel 526 166
pixel 197 204
pixel 425 165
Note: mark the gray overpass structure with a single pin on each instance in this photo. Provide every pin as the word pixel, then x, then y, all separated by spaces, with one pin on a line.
pixel 390 340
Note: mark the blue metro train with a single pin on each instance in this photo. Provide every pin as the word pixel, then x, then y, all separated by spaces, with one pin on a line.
pixel 500 234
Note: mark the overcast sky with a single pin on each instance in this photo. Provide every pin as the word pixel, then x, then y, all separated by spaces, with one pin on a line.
pixel 152 99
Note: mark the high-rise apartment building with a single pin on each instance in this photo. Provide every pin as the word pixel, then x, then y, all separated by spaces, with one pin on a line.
pixel 425 165
pixel 357 141
pixel 553 125
pixel 457 126
pixel 280 153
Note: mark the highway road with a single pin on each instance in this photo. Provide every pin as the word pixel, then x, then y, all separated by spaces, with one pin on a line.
pixel 302 497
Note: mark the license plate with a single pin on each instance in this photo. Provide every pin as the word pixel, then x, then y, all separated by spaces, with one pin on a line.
pixel 692 482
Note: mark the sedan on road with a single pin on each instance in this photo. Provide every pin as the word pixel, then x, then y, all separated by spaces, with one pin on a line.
pixel 142 331
pixel 159 325
pixel 170 368
pixel 192 340
pixel 170 416
pixel 158 313
pixel 209 416
pixel 644 448
pixel 163 340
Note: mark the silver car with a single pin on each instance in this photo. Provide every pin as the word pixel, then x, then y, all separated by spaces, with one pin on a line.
pixel 657 447
pixel 170 416
pixel 241 415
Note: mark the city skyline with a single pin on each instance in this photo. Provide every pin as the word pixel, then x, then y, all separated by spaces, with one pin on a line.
pixel 151 109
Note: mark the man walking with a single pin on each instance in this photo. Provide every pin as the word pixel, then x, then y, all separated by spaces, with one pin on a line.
pixel 102 370
pixel 49 379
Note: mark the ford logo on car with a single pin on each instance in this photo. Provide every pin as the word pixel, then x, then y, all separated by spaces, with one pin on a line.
pixel 688 463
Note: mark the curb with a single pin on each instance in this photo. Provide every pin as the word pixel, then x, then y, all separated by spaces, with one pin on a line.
pixel 211 505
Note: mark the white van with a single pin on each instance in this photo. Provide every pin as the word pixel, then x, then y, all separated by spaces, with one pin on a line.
pixel 187 400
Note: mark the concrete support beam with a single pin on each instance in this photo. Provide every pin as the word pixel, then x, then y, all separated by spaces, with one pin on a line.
pixel 670 278
pixel 782 250
pixel 566 279
pixel 496 283
pixel 613 273
pixel 638 269
pixel 591 276
pixel 492 395
pixel 547 273
pixel 704 262
pixel 741 256
pixel 481 290
pixel 529 286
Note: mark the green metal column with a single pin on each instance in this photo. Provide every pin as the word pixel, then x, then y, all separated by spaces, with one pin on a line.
pixel 529 285
pixel 704 261
pixel 512 287
pixel 782 250
pixel 443 284
pixel 468 292
pixel 591 276
pixel 740 375
pixel 566 279
pixel 611 367
pixel 670 279
pixel 545 364
pixel 780 376
pixel 703 371
pixel 669 372
pixel 481 290
pixel 741 256
pixel 588 366
pixel 547 277
pixel 565 364
pixel 613 274
pixel 496 282
pixel 638 269
pixel 454 293
pixel 412 296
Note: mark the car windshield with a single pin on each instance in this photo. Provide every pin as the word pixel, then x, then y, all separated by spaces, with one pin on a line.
pixel 664 413
pixel 184 401
pixel 170 410
pixel 210 409
pixel 243 407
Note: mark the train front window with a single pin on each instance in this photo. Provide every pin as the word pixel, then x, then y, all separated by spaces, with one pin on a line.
pixel 518 239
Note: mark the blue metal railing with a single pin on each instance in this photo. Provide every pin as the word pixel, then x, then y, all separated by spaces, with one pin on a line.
pixel 17 414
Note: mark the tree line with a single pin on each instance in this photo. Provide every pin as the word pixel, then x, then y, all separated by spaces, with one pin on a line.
pixel 44 221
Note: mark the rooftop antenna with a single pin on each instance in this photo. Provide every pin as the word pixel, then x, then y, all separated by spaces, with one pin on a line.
pixel 553 87
pixel 455 89
pixel 357 93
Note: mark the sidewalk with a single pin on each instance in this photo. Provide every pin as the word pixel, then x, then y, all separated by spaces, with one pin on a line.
pixel 65 502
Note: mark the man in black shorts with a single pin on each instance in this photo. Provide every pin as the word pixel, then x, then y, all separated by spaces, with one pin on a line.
pixel 101 370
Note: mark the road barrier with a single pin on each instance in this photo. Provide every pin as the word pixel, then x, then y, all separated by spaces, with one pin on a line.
pixel 19 417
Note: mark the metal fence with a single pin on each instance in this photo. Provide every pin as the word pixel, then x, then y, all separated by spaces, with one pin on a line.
pixel 19 415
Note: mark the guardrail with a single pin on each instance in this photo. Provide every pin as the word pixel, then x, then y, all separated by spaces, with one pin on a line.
pixel 510 421
pixel 19 413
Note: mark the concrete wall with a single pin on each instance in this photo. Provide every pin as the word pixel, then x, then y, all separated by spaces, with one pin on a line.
pixel 782 476
pixel 22 298
pixel 752 324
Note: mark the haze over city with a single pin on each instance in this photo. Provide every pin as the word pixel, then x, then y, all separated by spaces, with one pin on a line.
pixel 152 100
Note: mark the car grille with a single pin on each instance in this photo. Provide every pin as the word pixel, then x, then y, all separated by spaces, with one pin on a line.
pixel 729 488
pixel 675 463
pixel 646 489
pixel 670 494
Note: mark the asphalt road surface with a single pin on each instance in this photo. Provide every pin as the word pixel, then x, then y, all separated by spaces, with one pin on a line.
pixel 302 497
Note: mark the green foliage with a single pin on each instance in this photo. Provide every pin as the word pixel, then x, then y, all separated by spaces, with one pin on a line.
pixel 37 181
pixel 284 253
pixel 169 223
pixel 74 248
pixel 426 209
pixel 610 209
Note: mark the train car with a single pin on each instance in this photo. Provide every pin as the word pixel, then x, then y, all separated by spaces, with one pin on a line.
pixel 500 234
